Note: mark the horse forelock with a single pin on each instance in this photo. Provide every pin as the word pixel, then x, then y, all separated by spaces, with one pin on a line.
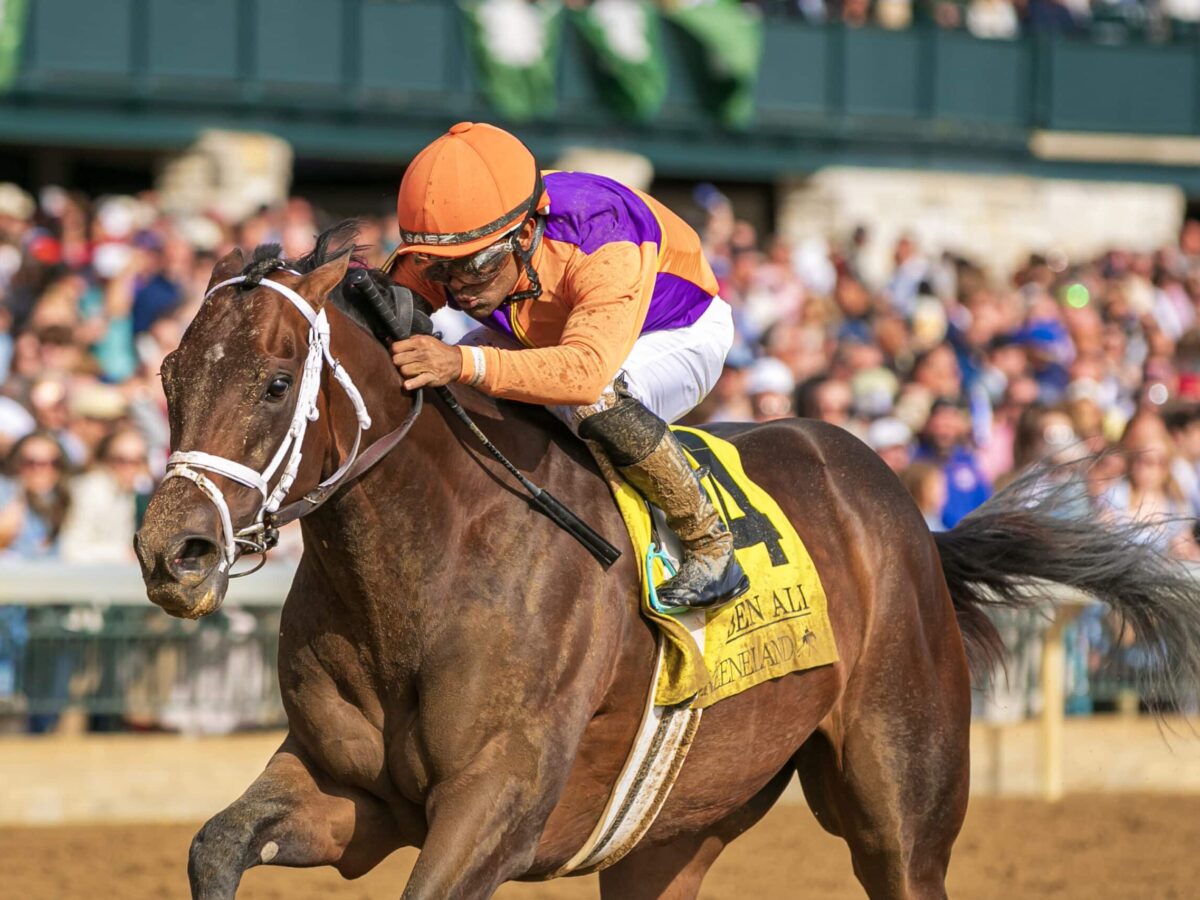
pixel 333 243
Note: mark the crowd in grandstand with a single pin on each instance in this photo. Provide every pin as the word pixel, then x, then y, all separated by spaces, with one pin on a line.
pixel 956 375
pixel 1108 20
pixel 959 377
pixel 1103 20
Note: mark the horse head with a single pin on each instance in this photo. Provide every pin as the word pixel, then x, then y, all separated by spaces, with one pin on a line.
pixel 242 388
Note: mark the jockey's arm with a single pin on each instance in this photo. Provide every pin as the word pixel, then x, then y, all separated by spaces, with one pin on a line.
pixel 611 290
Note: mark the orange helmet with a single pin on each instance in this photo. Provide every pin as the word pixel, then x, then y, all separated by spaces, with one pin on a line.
pixel 464 191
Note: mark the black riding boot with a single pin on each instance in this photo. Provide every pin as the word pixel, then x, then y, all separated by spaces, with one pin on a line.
pixel 647 454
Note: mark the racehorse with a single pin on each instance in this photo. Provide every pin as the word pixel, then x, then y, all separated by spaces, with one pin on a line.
pixel 459 674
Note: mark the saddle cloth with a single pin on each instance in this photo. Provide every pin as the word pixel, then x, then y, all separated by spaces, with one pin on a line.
pixel 781 625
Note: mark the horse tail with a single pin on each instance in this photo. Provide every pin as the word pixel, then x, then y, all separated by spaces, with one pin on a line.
pixel 1042 531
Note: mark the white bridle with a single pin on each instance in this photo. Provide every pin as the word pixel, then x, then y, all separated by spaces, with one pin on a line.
pixel 189 463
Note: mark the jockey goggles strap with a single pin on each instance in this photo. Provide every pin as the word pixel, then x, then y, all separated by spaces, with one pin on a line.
pixel 526 257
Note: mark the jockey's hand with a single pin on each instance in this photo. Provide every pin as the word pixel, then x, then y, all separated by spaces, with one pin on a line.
pixel 425 361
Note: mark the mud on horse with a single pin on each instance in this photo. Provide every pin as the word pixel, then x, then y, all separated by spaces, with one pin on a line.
pixel 461 675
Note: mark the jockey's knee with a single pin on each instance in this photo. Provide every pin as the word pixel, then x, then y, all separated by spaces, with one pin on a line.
pixel 623 427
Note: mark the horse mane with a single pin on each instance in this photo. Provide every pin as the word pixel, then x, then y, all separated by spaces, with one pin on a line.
pixel 333 243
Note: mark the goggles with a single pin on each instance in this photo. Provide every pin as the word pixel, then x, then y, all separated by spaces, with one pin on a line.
pixel 478 268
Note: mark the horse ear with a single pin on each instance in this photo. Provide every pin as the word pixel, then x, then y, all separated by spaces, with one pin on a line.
pixel 228 266
pixel 320 281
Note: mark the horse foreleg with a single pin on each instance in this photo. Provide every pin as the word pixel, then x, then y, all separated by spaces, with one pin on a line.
pixel 290 816
pixel 485 820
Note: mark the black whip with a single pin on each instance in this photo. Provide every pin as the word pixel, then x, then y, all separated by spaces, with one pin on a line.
pixel 604 552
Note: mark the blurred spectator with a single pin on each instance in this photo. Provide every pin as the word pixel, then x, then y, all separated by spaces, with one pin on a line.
pixel 1051 15
pixel 728 401
pixel 944 442
pixel 992 19
pixel 51 411
pixel 926 482
pixel 910 271
pixel 1148 492
pixel 893 14
pixel 824 398
pixel 892 440
pixel 107 501
pixel 1183 424
pixel 33 498
pixel 1043 435
pixel 769 384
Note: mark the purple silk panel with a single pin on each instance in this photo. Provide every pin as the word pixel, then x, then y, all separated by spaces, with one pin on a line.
pixel 676 303
pixel 590 211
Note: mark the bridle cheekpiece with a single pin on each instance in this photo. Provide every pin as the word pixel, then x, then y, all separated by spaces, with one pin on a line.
pixel 262 535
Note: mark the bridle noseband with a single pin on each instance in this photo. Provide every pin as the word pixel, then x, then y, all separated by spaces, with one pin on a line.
pixel 263 534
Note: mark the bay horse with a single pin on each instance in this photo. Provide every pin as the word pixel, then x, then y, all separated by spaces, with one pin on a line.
pixel 461 675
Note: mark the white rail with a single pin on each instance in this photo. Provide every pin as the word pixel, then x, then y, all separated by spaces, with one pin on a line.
pixel 54 583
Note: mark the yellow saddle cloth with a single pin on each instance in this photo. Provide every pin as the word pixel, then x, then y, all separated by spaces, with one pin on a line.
pixel 780 625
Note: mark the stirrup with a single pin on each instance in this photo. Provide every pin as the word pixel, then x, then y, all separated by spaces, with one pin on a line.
pixel 653 553
pixel 733 583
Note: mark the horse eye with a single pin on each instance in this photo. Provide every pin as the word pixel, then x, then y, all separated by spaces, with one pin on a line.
pixel 278 388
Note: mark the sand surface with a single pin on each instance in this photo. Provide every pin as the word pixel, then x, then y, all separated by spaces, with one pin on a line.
pixel 1094 847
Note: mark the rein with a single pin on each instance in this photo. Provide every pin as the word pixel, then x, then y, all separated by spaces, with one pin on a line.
pixel 263 534
pixel 402 326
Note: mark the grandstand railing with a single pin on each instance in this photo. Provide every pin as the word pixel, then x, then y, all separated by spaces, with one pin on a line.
pixel 86 639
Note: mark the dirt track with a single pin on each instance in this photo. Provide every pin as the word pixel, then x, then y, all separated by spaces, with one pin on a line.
pixel 1127 847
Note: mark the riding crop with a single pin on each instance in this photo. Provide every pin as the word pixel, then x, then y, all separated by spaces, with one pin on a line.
pixel 604 552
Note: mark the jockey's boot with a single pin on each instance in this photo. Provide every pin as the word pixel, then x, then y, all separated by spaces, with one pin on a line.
pixel 645 451
pixel 709 573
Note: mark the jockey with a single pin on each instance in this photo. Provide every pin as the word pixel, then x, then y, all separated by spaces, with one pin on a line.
pixel 596 302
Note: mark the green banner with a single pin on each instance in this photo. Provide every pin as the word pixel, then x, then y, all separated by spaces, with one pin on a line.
pixel 626 39
pixel 515 46
pixel 731 37
pixel 12 33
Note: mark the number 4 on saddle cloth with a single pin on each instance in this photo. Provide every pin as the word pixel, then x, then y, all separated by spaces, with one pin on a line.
pixel 781 625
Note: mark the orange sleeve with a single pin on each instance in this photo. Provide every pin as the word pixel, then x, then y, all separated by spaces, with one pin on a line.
pixel 610 291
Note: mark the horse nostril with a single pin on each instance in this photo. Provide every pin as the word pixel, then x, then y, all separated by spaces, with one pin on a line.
pixel 193 556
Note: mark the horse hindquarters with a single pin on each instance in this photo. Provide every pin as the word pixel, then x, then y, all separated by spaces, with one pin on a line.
pixel 888 769
pixel 890 775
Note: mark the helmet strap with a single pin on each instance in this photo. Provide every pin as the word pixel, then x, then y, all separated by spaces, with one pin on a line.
pixel 526 259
